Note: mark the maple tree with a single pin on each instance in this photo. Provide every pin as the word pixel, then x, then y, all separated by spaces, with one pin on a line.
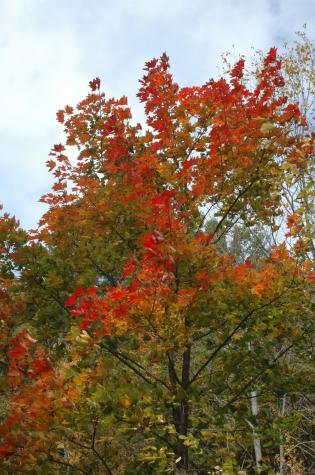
pixel 135 338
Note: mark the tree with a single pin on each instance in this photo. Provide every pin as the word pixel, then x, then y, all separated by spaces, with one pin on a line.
pixel 298 63
pixel 137 338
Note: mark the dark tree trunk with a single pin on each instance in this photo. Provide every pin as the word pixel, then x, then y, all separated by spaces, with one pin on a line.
pixel 181 412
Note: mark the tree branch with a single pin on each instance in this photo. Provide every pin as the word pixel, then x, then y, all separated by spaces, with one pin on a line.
pixel 135 367
pixel 230 336
pixel 255 378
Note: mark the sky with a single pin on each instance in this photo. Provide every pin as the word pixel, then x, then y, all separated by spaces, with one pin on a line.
pixel 50 50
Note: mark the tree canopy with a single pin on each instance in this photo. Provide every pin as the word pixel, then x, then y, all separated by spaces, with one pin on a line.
pixel 159 319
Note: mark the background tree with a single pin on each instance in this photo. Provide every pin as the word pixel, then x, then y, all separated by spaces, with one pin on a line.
pixel 298 208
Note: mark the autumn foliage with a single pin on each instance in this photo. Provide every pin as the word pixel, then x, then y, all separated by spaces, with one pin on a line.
pixel 133 342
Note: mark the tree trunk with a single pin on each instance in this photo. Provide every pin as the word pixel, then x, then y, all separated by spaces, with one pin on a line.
pixel 181 424
pixel 181 412
pixel 254 410
pixel 281 448
pixel 257 444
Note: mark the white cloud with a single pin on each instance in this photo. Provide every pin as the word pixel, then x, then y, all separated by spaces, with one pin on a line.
pixel 40 73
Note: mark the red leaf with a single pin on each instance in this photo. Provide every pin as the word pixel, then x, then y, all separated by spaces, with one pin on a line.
pixel 60 116
pixel 129 268
pixel 162 200
pixel 95 84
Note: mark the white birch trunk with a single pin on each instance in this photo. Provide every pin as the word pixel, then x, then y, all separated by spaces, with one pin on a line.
pixel 254 410
pixel 257 443
pixel 281 449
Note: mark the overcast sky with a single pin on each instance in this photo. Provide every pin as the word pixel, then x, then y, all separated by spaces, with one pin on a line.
pixel 49 50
